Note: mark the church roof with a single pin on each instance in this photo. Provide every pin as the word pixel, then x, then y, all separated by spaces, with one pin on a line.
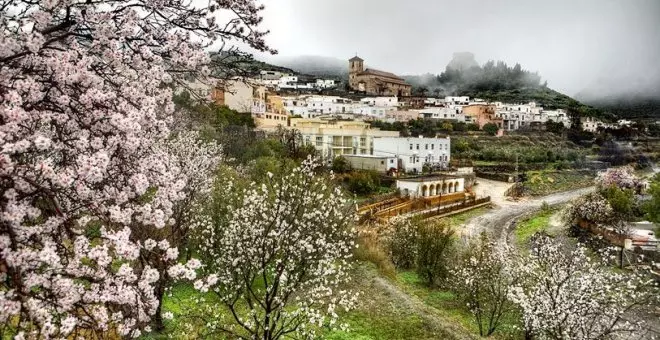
pixel 380 73
pixel 356 58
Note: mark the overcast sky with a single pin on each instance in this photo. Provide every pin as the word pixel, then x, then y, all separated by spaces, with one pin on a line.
pixel 573 44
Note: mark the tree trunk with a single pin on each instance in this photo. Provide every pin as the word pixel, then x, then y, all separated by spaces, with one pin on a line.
pixel 157 322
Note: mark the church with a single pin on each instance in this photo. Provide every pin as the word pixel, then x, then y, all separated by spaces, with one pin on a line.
pixel 375 82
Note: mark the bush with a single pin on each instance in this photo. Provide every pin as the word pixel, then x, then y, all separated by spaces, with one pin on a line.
pixel 490 129
pixel 434 243
pixel 622 201
pixel 363 182
pixel 401 242
pixel 340 165
pixel 369 249
pixel 472 127
pixel 425 246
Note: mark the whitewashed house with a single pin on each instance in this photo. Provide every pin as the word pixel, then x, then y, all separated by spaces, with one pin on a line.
pixel 381 101
pixel 414 152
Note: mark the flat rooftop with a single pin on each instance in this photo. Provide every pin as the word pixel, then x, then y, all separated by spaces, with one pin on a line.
pixel 428 178
pixel 368 156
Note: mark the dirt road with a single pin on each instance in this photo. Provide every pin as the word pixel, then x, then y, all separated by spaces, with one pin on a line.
pixel 505 211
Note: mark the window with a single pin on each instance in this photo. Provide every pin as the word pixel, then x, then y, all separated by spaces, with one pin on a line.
pixel 382 162
pixel 410 146
pixel 426 146
pixel 432 146
pixel 411 160
pixel 417 146
pixel 391 161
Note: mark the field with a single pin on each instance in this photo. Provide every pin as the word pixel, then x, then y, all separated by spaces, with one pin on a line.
pixel 532 225
pixel 545 182
pixel 394 305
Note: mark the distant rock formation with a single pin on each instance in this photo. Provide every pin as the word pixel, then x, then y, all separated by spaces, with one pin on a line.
pixel 462 61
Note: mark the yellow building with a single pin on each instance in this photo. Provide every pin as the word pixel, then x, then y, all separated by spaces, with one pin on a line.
pixel 275 103
pixel 333 138
pixel 240 95
pixel 269 121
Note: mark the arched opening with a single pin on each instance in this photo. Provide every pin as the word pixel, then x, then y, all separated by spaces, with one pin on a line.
pixel 424 190
pixel 405 192
pixel 431 190
pixel 456 186
pixel 451 187
pixel 444 188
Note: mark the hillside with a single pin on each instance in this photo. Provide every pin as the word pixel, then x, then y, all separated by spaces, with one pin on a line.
pixel 632 107
pixel 494 81
pixel 313 65
pixel 497 81
pixel 627 97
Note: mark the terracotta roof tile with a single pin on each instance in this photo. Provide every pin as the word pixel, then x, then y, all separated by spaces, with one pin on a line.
pixel 380 73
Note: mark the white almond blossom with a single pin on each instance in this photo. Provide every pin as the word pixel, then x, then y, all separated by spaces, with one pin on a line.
pixel 279 258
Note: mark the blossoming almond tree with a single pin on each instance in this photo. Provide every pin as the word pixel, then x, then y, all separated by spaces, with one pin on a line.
pixel 83 107
pixel 278 260
pixel 622 177
pixel 482 281
pixel 565 294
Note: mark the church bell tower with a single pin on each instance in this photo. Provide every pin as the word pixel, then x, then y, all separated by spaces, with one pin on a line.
pixel 355 66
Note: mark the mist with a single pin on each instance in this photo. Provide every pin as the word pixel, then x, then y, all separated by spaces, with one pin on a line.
pixel 589 48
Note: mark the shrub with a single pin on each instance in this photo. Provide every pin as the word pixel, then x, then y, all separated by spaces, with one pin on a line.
pixel 340 165
pixel 370 249
pixel 363 182
pixel 434 243
pixel 490 129
pixel 622 201
pixel 401 242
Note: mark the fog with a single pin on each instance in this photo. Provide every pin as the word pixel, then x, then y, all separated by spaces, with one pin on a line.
pixel 598 47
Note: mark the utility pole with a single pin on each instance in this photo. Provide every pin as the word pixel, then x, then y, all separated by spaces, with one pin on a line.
pixel 518 190
pixel 516 173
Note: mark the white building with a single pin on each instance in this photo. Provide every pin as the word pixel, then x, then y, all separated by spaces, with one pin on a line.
pixel 381 164
pixel 376 112
pixel 625 122
pixel 288 82
pixel 271 75
pixel 590 124
pixel 431 186
pixel 415 152
pixel 381 101
pixel 462 100
pixel 443 113
pixel 325 83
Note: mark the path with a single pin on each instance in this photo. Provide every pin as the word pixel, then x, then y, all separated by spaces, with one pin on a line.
pixel 500 222
pixel 443 326
pixel 505 211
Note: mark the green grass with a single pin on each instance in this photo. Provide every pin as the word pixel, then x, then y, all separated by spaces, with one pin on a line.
pixel 459 219
pixel 528 227
pixel 540 183
pixel 379 316
pixel 376 325
pixel 444 301
pixel 448 305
